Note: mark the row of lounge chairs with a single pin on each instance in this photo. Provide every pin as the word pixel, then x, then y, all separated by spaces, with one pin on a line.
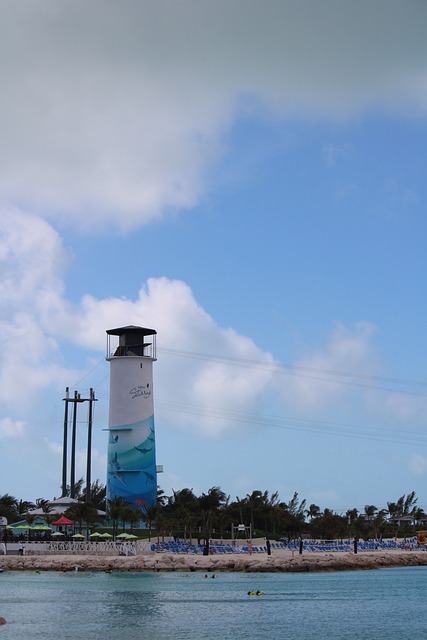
pixel 186 547
pixel 307 545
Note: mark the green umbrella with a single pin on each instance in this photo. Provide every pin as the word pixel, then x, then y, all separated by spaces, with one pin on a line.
pixel 57 533
pixel 106 535
pixel 96 534
pixel 78 535
pixel 41 528
pixel 123 536
pixel 22 526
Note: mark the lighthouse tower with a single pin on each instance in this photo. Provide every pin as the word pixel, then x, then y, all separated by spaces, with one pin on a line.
pixel 131 472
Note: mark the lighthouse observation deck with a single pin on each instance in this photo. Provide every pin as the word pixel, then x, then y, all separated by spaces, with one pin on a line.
pixel 132 341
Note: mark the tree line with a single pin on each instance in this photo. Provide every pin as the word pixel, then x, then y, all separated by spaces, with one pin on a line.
pixel 213 514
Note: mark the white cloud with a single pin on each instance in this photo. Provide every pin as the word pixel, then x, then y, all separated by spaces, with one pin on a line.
pixel 418 464
pixel 33 261
pixel 183 326
pixel 324 375
pixel 55 447
pixel 36 337
pixel 10 428
pixel 403 408
pixel 39 324
pixel 112 113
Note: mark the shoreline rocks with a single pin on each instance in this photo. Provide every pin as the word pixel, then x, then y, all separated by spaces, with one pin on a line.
pixel 165 562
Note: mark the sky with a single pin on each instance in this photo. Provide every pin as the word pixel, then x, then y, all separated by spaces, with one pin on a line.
pixel 249 179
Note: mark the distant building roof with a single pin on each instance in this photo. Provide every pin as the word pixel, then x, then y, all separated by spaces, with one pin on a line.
pixel 59 506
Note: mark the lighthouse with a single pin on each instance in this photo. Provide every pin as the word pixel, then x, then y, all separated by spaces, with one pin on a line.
pixel 131 472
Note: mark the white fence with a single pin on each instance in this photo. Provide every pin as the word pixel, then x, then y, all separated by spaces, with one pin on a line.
pixel 107 548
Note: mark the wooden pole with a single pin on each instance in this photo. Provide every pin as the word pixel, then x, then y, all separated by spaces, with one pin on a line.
pixel 92 399
pixel 65 444
pixel 73 446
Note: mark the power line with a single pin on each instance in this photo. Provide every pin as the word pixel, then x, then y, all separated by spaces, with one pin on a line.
pixel 298 424
pixel 310 372
pixel 319 427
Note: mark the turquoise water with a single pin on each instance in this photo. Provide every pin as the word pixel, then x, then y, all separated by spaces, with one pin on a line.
pixel 380 604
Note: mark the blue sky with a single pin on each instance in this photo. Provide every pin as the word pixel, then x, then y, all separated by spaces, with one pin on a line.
pixel 249 179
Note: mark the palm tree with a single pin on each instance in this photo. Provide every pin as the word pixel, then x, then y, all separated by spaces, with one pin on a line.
pixel 115 509
pixel 183 508
pixel 9 507
pixel 209 503
pixel 81 512
pixel 258 505
pixel 46 507
pixel 149 516
pixel 97 495
pixel 30 518
pixel 403 507
pixel 419 514
pixel 313 511
pixel 24 506
pixel 131 515
pixel 370 511
pixel 379 523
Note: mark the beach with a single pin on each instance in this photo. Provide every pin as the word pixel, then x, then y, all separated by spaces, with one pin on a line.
pixel 279 561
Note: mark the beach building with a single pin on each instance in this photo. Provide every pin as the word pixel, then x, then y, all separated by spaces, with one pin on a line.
pixel 58 507
pixel 131 457
pixel 39 521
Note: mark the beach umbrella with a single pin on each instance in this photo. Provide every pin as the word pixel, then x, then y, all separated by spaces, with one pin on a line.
pixel 78 535
pixel 96 534
pixel 57 533
pixel 123 536
pixel 131 536
pixel 106 535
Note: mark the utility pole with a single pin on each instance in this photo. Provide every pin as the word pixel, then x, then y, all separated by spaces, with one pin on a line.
pixel 65 445
pixel 92 399
pixel 75 400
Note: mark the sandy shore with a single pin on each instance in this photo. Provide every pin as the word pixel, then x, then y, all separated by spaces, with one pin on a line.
pixel 279 562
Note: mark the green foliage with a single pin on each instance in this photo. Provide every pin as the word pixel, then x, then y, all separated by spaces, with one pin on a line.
pixel 9 507
pixel 212 514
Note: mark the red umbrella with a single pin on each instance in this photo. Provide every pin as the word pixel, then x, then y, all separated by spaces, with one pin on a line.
pixel 62 521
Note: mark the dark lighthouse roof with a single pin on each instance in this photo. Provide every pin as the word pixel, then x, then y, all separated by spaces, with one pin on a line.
pixel 132 330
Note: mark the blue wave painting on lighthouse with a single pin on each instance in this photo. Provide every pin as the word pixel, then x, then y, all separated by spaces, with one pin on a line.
pixel 132 463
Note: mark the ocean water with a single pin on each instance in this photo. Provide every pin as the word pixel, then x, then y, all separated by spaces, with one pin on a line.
pixel 380 604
